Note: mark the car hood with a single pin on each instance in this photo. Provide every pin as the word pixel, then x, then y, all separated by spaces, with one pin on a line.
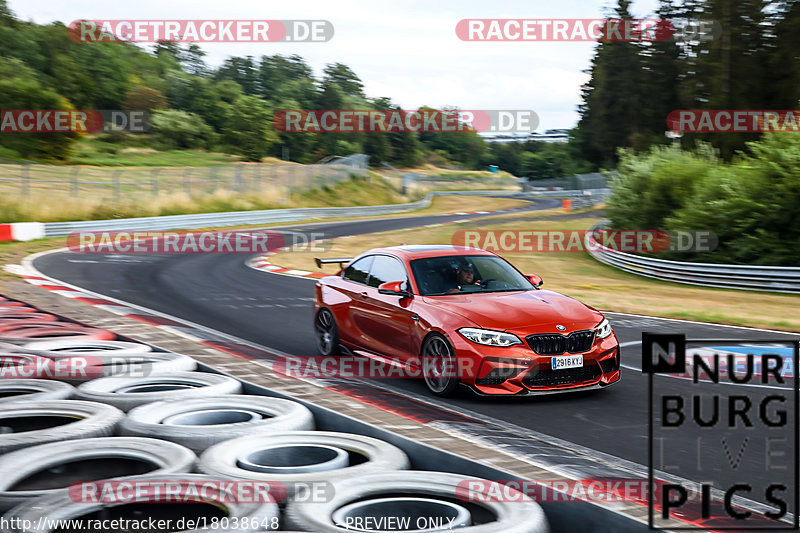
pixel 523 311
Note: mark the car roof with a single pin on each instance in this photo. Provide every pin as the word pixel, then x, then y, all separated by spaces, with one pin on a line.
pixel 417 251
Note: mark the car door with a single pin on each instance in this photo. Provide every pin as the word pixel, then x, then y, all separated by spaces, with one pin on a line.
pixel 354 288
pixel 386 320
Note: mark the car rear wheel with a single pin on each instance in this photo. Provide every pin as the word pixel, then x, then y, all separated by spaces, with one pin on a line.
pixel 439 366
pixel 327 333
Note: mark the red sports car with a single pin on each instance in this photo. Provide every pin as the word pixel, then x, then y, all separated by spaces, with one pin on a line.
pixel 463 316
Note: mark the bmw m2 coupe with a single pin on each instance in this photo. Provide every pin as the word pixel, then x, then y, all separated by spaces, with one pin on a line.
pixel 463 317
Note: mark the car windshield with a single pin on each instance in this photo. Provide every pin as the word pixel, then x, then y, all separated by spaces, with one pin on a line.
pixel 457 274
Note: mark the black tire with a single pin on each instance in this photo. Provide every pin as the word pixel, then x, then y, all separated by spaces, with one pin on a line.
pixel 277 416
pixel 119 390
pixel 156 456
pixel 33 423
pixel 376 455
pixel 522 515
pixel 51 509
pixel 326 332
pixel 34 390
pixel 439 365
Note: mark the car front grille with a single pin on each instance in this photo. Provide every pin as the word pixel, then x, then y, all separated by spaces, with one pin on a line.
pixel 557 344
pixel 546 377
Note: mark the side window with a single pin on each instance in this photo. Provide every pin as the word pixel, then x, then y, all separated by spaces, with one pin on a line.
pixel 358 271
pixel 385 269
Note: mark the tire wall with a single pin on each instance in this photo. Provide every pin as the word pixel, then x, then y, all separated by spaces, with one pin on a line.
pixel 563 517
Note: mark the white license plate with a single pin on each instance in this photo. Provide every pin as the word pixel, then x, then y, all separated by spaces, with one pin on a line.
pixel 567 361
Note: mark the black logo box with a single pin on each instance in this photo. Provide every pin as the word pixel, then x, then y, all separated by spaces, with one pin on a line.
pixel 666 354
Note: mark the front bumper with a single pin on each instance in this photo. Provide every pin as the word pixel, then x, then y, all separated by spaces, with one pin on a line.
pixel 519 371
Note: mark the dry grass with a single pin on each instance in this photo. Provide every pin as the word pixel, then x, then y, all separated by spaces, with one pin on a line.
pixel 13 252
pixel 578 275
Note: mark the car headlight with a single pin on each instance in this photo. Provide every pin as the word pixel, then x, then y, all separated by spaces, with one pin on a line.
pixel 604 329
pixel 489 337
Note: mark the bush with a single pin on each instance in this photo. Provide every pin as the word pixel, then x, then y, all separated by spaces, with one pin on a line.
pixel 178 129
pixel 751 204
pixel 653 186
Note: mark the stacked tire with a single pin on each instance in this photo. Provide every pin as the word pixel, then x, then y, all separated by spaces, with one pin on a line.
pixel 141 417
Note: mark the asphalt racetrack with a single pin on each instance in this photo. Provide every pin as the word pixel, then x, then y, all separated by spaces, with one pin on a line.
pixel 220 292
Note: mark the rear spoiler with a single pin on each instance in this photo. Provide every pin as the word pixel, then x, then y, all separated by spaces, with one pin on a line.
pixel 328 260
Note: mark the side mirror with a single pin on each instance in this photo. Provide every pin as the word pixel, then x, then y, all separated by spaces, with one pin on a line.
pixel 536 280
pixel 393 288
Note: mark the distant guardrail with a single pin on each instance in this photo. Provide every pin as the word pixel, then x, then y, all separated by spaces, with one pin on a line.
pixel 269 216
pixel 26 231
pixel 742 277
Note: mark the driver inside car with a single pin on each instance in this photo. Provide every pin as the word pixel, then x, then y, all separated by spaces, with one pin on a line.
pixel 465 275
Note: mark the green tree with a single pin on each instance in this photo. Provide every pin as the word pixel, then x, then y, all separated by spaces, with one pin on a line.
pixel 144 98
pixel 20 89
pixel 612 99
pixel 281 78
pixel 729 72
pixel 553 161
pixel 343 77
pixel 242 70
pixel 248 128
pixel 7 17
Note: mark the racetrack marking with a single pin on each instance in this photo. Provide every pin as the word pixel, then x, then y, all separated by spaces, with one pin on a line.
pixel 593 458
pixel 124 308
pixel 623 314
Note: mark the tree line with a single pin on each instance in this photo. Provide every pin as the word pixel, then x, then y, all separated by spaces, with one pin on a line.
pixel 228 108
pixel 750 61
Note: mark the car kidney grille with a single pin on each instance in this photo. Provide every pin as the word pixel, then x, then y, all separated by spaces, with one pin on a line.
pixel 546 377
pixel 556 344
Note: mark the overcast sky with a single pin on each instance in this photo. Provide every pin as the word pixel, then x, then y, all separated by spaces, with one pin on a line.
pixel 406 50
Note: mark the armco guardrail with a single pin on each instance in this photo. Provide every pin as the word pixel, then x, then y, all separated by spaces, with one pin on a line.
pixel 268 216
pixel 743 277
